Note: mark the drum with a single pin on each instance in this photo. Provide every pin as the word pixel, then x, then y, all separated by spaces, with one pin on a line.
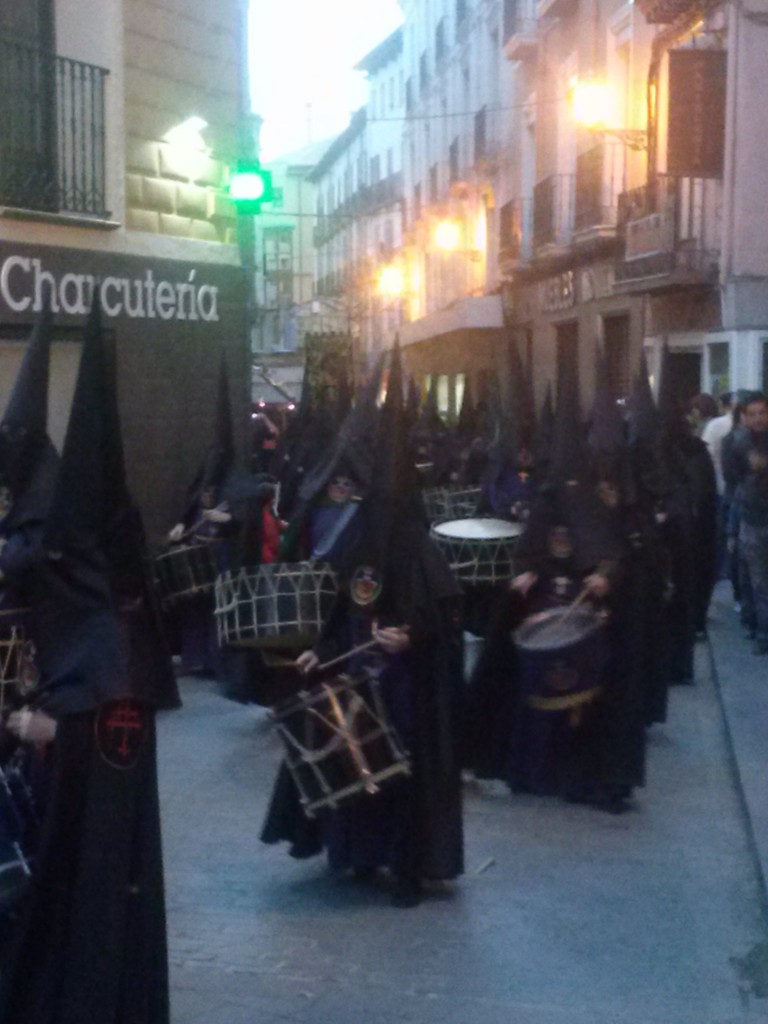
pixel 18 670
pixel 562 655
pixel 454 501
pixel 478 550
pixel 184 572
pixel 339 742
pixel 284 604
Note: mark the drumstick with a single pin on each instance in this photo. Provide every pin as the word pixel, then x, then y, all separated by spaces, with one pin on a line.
pixel 574 604
pixel 355 650
pixel 557 624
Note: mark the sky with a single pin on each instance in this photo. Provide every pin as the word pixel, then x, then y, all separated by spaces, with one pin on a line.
pixel 303 52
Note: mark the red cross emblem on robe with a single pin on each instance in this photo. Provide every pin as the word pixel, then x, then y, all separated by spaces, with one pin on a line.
pixel 122 727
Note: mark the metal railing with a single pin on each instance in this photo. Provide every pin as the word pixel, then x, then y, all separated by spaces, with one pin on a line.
pixel 595 199
pixel 52 131
pixel 553 210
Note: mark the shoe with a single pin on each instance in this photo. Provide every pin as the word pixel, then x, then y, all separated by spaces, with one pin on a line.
pixel 407 893
pixel 760 648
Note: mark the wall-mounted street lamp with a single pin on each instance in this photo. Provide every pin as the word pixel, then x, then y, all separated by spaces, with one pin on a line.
pixel 447 236
pixel 593 105
pixel 390 281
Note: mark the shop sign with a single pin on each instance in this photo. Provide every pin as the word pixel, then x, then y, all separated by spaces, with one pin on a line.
pixel 649 235
pixel 175 293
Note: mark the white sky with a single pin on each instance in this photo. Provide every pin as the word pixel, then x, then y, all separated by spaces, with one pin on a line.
pixel 303 51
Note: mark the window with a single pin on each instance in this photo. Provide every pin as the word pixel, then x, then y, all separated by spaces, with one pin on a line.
pixel 375 169
pixel 481 140
pixel 719 368
pixel 461 12
pixel 423 72
pixel 390 163
pixel 417 202
pixel 434 183
pixel 440 47
pixel 616 346
pixel 453 161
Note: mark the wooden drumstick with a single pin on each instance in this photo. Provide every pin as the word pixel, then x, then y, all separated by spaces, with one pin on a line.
pixel 575 604
pixel 355 650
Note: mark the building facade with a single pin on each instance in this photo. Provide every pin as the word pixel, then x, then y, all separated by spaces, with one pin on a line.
pixel 120 120
pixel 456 157
pixel 359 232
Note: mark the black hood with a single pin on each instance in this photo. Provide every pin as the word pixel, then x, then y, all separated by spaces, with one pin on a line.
pixel 23 429
pixel 98 634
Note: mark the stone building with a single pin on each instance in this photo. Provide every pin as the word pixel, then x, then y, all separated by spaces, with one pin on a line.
pixel 120 121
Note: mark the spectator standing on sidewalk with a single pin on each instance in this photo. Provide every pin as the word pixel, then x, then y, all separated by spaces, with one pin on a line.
pixel 751 465
pixel 714 432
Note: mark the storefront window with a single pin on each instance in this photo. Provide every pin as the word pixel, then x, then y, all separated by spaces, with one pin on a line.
pixel 460 384
pixel 719 368
pixel 443 394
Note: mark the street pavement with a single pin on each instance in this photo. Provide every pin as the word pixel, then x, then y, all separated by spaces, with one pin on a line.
pixel 566 915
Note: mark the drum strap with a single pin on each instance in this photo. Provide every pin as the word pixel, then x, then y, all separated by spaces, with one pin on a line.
pixel 326 543
pixel 573 702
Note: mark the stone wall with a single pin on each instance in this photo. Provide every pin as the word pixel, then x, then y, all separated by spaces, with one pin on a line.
pixel 182 59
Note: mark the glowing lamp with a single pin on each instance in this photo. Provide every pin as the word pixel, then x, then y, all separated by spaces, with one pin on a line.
pixel 391 281
pixel 591 102
pixel 448 235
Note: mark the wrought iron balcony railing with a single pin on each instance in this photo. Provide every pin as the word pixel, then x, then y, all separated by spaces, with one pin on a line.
pixel 553 210
pixel 52 132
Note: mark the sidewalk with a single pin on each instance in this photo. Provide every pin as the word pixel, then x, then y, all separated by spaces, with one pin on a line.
pixel 741 682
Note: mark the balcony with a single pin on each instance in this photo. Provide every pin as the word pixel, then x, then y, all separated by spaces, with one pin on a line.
pixel 664 12
pixel 556 8
pixel 663 240
pixel 520 30
pixel 515 234
pixel 52 132
pixel 595 205
pixel 523 41
pixel 552 213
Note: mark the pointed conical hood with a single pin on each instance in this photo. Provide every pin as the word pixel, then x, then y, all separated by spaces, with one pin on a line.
pixel 353 449
pixel 99 635
pixel 28 404
pixel 23 436
pixel 606 433
pixel 221 454
pixel 545 430
pixel 389 530
pixel 643 414
pixel 569 456
pixel 413 402
pixel 91 478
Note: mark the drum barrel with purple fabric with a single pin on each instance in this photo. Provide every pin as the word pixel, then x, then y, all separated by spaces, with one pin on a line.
pixel 562 655
pixel 282 604
pixel 480 550
pixel 185 572
pixel 339 742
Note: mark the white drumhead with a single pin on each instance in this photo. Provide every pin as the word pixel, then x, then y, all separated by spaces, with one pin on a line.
pixel 478 529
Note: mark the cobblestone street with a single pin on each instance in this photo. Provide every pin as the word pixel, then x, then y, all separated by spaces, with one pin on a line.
pixel 565 914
